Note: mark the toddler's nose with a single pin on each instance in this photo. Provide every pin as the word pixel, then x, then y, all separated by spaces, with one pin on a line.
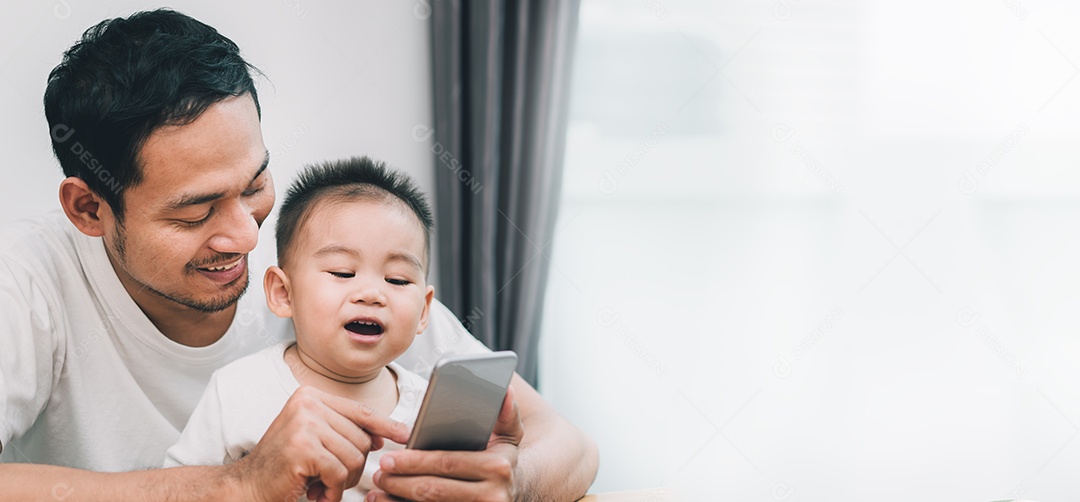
pixel 369 294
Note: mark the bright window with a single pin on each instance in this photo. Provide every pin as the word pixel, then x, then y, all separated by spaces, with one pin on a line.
pixel 822 250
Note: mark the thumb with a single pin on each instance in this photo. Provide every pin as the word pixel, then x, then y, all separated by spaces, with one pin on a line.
pixel 508 428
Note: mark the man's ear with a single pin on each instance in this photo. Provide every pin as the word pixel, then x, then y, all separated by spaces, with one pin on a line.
pixel 86 210
pixel 276 286
pixel 428 296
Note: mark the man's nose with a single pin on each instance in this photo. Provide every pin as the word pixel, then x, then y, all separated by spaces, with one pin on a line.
pixel 237 230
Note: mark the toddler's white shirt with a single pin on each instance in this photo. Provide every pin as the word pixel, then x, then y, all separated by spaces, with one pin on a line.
pixel 244 397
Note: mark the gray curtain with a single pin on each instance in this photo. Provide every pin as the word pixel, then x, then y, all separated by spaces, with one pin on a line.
pixel 501 84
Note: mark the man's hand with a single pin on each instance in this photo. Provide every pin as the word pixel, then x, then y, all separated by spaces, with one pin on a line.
pixel 456 475
pixel 316 446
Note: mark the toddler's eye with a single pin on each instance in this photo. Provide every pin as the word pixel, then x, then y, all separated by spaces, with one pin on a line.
pixel 343 275
pixel 399 282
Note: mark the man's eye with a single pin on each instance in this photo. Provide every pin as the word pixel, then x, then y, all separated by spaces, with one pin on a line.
pixel 343 275
pixel 399 282
pixel 194 223
pixel 253 191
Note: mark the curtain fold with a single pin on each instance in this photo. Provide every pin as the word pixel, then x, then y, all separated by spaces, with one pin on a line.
pixel 501 88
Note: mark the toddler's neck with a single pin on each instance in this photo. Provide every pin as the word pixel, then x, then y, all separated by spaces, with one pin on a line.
pixel 379 392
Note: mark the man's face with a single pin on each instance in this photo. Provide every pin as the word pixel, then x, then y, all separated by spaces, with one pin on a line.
pixel 189 225
pixel 356 284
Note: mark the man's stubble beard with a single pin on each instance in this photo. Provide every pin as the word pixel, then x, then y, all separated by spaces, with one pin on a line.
pixel 211 306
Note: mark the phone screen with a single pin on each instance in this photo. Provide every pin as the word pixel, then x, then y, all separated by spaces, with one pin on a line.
pixel 463 401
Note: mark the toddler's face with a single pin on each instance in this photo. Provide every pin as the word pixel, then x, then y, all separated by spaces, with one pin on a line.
pixel 356 284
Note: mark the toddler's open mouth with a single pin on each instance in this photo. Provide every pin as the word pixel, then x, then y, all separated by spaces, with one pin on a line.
pixel 365 327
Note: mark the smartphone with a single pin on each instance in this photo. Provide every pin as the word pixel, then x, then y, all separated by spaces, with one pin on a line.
pixel 462 402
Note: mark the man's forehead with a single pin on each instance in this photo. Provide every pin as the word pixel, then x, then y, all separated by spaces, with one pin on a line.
pixel 223 128
pixel 218 151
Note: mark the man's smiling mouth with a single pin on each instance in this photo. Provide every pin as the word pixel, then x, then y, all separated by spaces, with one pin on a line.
pixel 224 273
pixel 224 267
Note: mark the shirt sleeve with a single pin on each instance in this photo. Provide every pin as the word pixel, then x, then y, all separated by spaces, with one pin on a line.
pixel 445 335
pixel 30 352
pixel 203 440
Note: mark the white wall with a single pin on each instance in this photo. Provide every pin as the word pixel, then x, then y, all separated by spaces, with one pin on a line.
pixel 347 79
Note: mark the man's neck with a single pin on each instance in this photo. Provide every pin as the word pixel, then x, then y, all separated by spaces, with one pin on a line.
pixel 177 322
pixel 186 326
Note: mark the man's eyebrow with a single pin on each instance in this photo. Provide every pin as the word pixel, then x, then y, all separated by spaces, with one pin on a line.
pixel 266 162
pixel 188 200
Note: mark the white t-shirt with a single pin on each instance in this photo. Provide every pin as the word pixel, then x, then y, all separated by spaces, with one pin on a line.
pixel 87 381
pixel 244 397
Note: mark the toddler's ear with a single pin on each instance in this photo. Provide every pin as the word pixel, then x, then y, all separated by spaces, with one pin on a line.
pixel 276 286
pixel 428 296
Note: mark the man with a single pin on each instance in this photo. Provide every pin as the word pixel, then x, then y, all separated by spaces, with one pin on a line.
pixel 112 321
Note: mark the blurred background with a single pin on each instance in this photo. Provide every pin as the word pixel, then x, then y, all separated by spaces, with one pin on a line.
pixel 806 250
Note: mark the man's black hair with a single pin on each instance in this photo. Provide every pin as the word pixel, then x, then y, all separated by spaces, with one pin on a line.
pixel 347 179
pixel 125 78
